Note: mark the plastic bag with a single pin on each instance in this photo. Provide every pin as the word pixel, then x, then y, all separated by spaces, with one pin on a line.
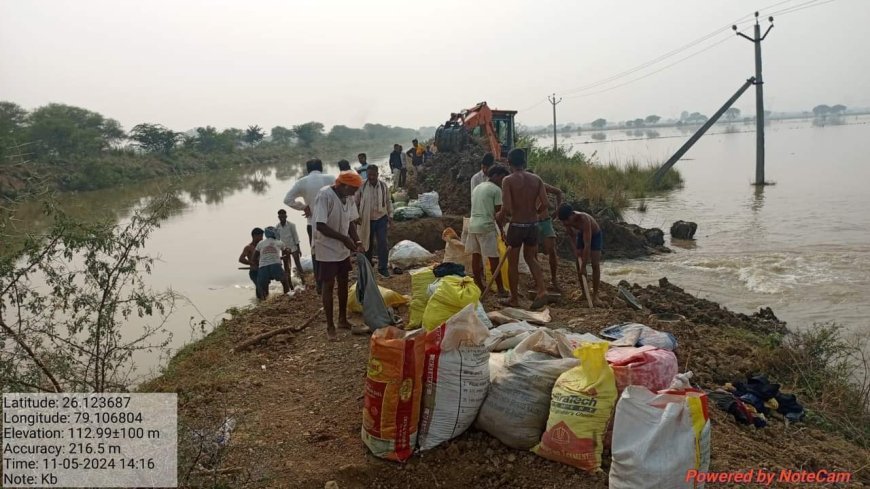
pixel 580 407
pixel 367 292
pixel 658 438
pixel 576 339
pixel 635 334
pixel 391 299
pixel 456 378
pixel 648 366
pixel 393 391
pixel 515 410
pixel 407 253
pixel 487 269
pixel 408 213
pixel 452 295
pixel 429 203
pixel 509 335
pixel 420 280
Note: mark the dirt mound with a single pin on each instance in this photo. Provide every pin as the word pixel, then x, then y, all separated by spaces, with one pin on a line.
pixel 298 400
pixel 450 175
pixel 426 231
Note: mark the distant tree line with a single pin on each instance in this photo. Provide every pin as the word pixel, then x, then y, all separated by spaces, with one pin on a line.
pixel 58 131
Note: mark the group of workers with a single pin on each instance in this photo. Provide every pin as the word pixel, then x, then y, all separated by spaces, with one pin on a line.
pixel 352 212
pixel 516 197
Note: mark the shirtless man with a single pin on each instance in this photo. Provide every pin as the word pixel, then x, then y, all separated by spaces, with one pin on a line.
pixel 523 195
pixel 547 235
pixel 588 240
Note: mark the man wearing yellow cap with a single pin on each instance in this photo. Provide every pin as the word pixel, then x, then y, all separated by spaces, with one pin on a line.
pixel 335 238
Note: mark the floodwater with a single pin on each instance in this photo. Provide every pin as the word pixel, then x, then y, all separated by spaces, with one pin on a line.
pixel 801 246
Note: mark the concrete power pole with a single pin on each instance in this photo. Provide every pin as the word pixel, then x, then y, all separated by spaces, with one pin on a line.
pixel 759 98
pixel 554 102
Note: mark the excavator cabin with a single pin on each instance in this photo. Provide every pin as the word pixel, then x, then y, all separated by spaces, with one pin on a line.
pixel 496 127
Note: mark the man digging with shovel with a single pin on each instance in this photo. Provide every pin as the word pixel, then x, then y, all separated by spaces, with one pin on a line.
pixel 588 241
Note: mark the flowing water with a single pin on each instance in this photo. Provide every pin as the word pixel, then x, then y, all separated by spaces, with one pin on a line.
pixel 801 246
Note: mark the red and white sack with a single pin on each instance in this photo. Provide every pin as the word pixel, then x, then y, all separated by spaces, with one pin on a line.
pixel 455 377
pixel 647 366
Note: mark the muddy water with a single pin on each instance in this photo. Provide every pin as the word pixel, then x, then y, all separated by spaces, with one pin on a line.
pixel 801 246
pixel 198 246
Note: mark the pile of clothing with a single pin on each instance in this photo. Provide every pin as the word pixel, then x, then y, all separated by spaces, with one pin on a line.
pixel 753 401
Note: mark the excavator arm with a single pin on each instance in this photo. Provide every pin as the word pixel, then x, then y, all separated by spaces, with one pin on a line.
pixel 454 134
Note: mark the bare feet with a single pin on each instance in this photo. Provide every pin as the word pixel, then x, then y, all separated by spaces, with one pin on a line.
pixel 511 302
pixel 331 334
pixel 503 294
pixel 344 324
pixel 539 302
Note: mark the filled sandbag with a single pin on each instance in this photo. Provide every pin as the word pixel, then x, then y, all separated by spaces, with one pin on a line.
pixel 508 335
pixel 647 366
pixel 636 334
pixel 393 392
pixel 454 250
pixel 421 278
pixel 580 408
pixel 456 378
pixel 407 253
pixel 516 408
pixel 391 298
pixel 513 314
pixel 659 438
pixel 429 203
pixel 453 293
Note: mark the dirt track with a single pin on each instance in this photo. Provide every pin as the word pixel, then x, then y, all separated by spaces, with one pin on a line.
pixel 298 402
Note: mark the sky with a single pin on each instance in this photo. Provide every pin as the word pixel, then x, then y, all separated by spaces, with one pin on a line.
pixel 235 63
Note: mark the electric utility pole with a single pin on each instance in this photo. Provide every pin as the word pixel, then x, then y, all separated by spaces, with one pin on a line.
pixel 554 102
pixel 759 98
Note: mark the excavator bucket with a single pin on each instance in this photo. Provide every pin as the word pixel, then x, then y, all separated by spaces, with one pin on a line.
pixel 451 137
pixel 495 127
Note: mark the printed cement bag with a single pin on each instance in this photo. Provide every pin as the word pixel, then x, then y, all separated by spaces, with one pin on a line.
pixel 420 280
pixel 509 335
pixel 516 408
pixel 580 408
pixel 452 295
pixel 455 379
pixel 407 253
pixel 648 366
pixel 657 438
pixel 393 391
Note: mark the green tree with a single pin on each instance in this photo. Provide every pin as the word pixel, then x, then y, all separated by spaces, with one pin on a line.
pixel 254 134
pixel 12 126
pixel 345 134
pixel 154 138
pixel 599 123
pixel 58 130
pixel 282 135
pixel 308 133
pixel 209 140
pixel 66 294
pixel 638 122
pixel 733 113
pixel 652 119
pixel 838 109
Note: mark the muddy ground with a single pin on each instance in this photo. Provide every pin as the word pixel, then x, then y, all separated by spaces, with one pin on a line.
pixel 298 402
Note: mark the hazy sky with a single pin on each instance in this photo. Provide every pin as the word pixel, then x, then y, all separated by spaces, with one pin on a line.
pixel 233 63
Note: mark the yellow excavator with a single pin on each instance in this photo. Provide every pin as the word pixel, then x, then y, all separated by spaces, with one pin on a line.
pixel 496 126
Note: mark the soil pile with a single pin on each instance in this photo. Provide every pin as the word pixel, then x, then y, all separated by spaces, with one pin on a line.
pixel 298 400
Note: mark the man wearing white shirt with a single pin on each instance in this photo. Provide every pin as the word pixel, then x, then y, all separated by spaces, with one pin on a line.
pixel 306 188
pixel 483 174
pixel 287 234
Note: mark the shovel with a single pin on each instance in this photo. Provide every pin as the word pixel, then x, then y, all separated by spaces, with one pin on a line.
pixel 583 284
pixel 495 273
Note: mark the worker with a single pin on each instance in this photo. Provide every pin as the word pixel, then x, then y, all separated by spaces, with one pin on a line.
pixel 481 176
pixel 484 229
pixel 547 234
pixel 287 233
pixel 267 256
pixel 398 163
pixel 376 215
pixel 523 195
pixel 416 152
pixel 588 240
pixel 306 188
pixel 343 165
pixel 335 238
pixel 246 258
pixel 363 165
